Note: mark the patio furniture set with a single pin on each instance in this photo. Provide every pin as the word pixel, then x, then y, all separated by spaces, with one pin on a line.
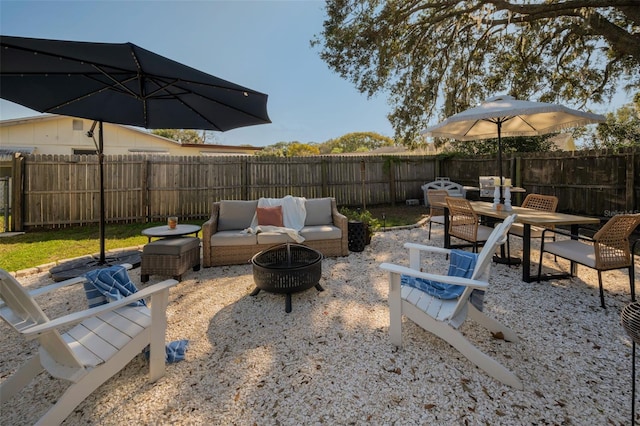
pixel 413 293
pixel 106 338
pixel 608 249
pixel 537 219
pixel 439 304
pixel 231 237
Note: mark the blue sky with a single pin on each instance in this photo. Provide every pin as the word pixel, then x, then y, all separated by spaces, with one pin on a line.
pixel 263 45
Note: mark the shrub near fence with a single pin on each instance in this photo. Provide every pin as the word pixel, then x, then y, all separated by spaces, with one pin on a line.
pixel 63 190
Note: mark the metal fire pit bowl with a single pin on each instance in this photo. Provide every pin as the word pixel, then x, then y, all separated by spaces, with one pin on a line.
pixel 287 268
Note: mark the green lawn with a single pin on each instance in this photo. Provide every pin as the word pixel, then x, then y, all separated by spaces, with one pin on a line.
pixel 41 247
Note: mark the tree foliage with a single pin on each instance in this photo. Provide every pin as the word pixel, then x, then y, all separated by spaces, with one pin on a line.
pixel 445 56
pixel 297 149
pixel 289 149
pixel 622 129
pixel 180 135
pixel 355 142
pixel 351 142
pixel 278 149
pixel 509 145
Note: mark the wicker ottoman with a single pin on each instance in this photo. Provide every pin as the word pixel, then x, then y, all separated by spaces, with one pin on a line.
pixel 171 257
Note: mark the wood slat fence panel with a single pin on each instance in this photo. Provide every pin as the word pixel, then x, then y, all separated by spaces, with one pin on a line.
pixel 124 190
pixel 593 183
pixel 60 191
pixel 63 190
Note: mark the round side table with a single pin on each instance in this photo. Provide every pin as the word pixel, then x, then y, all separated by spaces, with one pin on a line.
pixel 165 232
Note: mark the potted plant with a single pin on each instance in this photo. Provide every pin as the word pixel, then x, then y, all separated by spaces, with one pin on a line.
pixel 371 224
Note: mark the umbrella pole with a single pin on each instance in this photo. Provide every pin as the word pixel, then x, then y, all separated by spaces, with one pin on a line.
pixel 102 260
pixel 499 123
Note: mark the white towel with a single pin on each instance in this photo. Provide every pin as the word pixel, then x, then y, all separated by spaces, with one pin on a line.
pixel 294 214
pixel 295 236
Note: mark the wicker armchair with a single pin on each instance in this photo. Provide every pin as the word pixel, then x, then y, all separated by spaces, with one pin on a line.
pixel 436 214
pixel 608 249
pixel 547 203
pixel 464 223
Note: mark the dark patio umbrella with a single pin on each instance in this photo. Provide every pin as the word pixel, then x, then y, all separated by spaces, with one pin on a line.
pixel 506 116
pixel 123 84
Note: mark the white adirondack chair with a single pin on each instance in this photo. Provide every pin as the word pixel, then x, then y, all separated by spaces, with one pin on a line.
pixel 105 339
pixel 443 317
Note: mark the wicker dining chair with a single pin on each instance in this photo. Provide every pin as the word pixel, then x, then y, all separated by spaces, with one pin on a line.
pixel 547 203
pixel 436 214
pixel 464 223
pixel 608 249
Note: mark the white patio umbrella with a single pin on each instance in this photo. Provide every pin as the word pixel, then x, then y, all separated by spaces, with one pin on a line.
pixel 506 116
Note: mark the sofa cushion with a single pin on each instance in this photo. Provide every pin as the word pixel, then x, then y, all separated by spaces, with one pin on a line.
pixel 318 212
pixel 233 238
pixel 274 238
pixel 236 214
pixel 321 232
pixel 270 216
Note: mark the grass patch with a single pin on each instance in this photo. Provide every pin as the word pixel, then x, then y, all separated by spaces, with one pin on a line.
pixel 46 246
pixel 398 215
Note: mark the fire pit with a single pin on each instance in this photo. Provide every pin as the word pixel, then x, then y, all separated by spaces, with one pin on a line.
pixel 287 268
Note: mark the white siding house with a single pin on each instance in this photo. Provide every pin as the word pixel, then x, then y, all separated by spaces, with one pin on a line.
pixel 57 134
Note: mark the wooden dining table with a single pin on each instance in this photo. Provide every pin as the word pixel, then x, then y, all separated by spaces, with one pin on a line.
pixel 527 217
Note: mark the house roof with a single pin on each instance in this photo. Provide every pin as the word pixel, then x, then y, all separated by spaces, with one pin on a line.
pixel 203 148
pixel 49 117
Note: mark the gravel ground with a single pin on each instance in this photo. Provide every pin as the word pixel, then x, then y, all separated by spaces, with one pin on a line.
pixel 330 361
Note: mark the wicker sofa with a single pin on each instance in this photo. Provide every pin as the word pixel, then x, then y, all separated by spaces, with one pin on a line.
pixel 225 243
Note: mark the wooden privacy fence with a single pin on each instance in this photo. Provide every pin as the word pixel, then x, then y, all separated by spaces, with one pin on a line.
pixel 63 190
pixel 596 183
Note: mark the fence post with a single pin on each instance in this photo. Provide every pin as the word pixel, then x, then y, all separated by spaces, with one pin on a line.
pixel 392 181
pixel 146 196
pixel 324 173
pixel 362 178
pixel 17 196
pixel 244 186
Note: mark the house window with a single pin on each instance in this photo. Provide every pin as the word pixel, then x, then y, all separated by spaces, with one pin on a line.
pixel 81 151
pixel 78 124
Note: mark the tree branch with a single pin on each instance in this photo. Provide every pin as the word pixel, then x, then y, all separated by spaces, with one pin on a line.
pixel 620 40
